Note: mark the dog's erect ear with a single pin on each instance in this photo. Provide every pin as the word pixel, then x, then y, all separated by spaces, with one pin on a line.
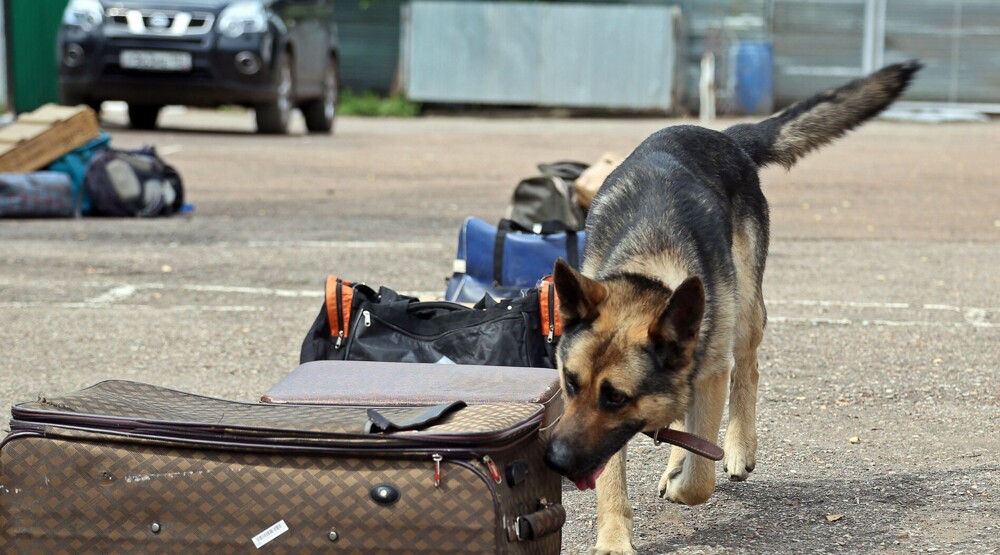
pixel 681 320
pixel 578 294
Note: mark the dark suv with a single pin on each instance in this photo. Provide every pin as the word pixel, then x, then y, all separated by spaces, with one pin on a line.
pixel 270 55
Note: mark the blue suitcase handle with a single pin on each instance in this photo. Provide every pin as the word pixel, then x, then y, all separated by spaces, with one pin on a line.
pixel 551 226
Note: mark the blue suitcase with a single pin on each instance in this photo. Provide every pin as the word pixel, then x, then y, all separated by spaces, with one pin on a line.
pixel 502 260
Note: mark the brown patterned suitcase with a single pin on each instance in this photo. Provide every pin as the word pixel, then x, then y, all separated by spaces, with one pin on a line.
pixel 123 467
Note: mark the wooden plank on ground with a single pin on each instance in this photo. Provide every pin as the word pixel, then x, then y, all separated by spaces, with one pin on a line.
pixel 38 138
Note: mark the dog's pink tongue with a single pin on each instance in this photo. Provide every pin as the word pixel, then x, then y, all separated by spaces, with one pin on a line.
pixel 588 481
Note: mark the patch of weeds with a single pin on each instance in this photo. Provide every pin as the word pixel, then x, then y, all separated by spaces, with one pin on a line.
pixel 374 105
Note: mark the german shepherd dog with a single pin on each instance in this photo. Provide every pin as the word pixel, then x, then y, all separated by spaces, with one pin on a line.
pixel 668 307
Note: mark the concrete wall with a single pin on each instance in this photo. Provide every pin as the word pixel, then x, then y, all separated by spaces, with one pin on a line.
pixel 369 43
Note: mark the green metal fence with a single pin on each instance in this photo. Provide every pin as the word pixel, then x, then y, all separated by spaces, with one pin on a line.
pixel 32 69
pixel 369 43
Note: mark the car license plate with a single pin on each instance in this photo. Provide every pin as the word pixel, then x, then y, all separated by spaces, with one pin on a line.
pixel 155 60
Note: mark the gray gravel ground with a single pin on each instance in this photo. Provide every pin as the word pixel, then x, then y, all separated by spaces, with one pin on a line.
pixel 882 287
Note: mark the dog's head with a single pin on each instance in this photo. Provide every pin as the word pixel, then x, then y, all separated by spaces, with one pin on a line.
pixel 625 363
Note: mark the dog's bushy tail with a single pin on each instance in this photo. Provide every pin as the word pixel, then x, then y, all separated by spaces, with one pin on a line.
pixel 814 122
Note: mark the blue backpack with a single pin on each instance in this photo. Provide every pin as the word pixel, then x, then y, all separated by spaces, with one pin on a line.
pixel 75 164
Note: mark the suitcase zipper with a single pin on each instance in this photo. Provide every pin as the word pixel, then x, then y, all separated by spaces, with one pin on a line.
pixel 437 469
pixel 494 471
pixel 467 464
pixel 50 421
pixel 453 446
pixel 491 467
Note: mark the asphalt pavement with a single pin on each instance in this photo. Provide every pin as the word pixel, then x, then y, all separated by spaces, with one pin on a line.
pixel 879 403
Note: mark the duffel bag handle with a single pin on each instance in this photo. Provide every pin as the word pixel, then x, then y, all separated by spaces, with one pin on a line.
pixel 544 228
pixel 538 524
pixel 564 169
pixel 551 226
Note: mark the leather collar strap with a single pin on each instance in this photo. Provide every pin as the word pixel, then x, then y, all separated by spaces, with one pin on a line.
pixel 691 442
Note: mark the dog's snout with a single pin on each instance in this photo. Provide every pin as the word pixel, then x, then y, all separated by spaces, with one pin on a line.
pixel 559 456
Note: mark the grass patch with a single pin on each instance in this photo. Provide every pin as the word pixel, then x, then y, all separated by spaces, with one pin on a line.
pixel 373 105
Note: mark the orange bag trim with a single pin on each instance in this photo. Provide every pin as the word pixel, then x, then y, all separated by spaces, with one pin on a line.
pixel 335 313
pixel 548 296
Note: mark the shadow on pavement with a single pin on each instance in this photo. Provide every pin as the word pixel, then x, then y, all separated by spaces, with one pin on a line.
pixel 792 516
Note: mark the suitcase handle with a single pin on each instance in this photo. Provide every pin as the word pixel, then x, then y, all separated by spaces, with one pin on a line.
pixel 546 228
pixel 416 419
pixel 538 524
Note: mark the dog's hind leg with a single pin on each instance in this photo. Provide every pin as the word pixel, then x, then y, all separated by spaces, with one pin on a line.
pixel 749 253
pixel 690 479
pixel 741 432
pixel 614 512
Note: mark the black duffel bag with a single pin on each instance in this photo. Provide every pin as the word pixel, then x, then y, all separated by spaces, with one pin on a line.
pixel 358 323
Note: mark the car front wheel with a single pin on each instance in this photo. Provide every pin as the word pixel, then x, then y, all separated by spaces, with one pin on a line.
pixel 143 116
pixel 320 113
pixel 94 105
pixel 273 117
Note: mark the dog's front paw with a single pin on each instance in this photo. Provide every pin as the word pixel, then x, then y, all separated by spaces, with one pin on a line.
pixel 600 550
pixel 616 549
pixel 740 455
pixel 688 483
pixel 614 537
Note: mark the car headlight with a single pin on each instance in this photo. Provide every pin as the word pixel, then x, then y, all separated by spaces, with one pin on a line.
pixel 85 14
pixel 243 17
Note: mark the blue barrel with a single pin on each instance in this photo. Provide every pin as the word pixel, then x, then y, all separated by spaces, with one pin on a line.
pixel 754 68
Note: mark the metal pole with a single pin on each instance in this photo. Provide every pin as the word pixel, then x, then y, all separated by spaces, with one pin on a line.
pixel 873 43
pixel 878 56
pixel 956 51
pixel 868 39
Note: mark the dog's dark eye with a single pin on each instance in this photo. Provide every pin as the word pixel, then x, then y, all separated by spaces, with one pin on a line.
pixel 611 398
pixel 571 387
